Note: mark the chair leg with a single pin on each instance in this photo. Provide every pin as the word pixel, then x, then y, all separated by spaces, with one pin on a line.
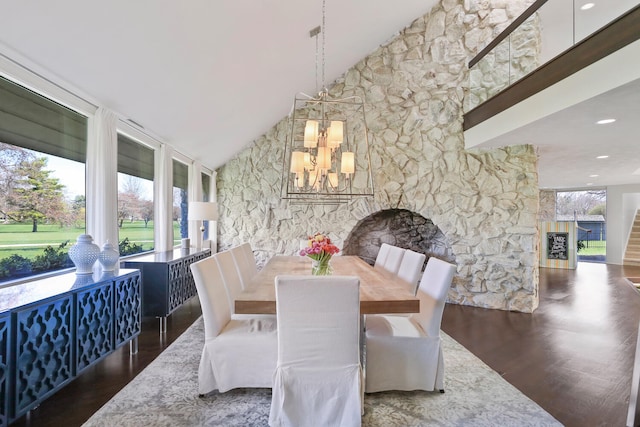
pixel 442 391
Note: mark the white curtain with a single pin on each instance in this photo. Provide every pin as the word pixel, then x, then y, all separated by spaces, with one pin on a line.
pixel 163 189
pixel 101 179
pixel 195 195
pixel 213 225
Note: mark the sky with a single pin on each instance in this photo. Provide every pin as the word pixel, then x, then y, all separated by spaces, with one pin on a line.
pixel 72 175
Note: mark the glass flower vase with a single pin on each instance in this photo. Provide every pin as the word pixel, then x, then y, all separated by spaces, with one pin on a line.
pixel 321 267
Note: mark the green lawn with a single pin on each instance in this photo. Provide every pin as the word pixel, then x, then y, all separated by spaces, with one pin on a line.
pixel 19 239
pixel 595 247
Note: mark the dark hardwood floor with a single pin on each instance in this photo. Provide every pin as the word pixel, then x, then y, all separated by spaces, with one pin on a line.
pixel 573 356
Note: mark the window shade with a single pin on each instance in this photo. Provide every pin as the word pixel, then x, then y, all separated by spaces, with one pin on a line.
pixel 134 159
pixel 180 175
pixel 34 122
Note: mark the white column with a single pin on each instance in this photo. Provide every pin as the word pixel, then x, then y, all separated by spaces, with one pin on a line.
pixel 101 178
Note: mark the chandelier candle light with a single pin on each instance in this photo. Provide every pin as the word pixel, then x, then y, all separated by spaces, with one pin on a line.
pixel 327 158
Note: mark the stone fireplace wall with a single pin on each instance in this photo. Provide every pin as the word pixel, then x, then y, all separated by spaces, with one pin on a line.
pixel 397 227
pixel 485 202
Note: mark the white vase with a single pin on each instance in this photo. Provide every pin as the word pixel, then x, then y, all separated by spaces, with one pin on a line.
pixel 109 257
pixel 84 253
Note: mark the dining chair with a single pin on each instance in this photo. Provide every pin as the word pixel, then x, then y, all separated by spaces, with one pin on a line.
pixel 236 353
pixel 318 379
pixel 393 259
pixel 382 255
pixel 411 268
pixel 245 263
pixel 230 277
pixel 405 353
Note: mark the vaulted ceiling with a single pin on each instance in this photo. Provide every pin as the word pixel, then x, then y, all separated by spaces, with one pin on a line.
pixel 210 77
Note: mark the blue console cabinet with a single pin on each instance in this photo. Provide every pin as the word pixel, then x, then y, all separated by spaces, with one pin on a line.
pixel 51 330
pixel 5 343
pixel 167 282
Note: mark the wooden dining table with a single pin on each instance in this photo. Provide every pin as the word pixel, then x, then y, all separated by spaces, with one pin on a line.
pixel 380 291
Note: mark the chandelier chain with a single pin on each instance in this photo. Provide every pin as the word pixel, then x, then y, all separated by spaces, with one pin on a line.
pixel 324 32
pixel 316 37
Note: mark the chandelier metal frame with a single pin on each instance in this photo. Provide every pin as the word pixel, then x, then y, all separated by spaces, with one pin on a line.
pixel 327 156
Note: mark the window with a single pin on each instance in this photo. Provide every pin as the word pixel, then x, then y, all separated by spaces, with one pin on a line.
pixel 180 201
pixel 42 182
pixel 588 209
pixel 135 196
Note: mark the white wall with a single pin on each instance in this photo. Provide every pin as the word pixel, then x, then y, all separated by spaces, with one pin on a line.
pixel 622 203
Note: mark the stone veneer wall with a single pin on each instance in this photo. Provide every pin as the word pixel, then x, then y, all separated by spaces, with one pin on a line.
pixel 485 202
pixel 547 205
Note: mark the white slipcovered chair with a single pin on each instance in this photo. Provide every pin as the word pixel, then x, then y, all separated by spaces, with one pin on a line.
pixel 411 268
pixel 393 259
pixel 382 255
pixel 245 263
pixel 318 379
pixel 230 277
pixel 404 353
pixel 236 353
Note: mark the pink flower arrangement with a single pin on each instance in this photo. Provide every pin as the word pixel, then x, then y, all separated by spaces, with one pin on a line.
pixel 320 248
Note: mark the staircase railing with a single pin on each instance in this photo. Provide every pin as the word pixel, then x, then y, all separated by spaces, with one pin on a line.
pixel 543 32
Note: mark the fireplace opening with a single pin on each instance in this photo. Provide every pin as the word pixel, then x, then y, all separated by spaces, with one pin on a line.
pixel 397 227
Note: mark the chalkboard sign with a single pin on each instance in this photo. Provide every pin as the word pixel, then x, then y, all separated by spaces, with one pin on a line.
pixel 558 246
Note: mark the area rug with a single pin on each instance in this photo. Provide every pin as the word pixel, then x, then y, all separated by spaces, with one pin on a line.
pixel 166 394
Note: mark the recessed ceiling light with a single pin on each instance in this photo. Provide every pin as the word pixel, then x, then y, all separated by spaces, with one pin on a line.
pixel 605 121
pixel 593 176
pixel 587 6
pixel 589 183
pixel 602 157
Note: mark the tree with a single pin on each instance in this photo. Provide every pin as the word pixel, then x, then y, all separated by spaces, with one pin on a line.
pixel 10 157
pixel 79 209
pixel 130 199
pixel 599 210
pixel 579 202
pixel 127 206
pixel 146 211
pixel 35 194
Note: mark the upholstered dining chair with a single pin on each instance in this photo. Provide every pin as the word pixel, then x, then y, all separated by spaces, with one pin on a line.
pixel 382 255
pixel 236 353
pixel 245 263
pixel 404 353
pixel 318 379
pixel 394 258
pixel 411 268
pixel 230 276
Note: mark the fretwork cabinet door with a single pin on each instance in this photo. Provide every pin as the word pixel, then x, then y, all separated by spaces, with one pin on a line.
pixel 5 343
pixel 128 309
pixel 43 351
pixel 94 325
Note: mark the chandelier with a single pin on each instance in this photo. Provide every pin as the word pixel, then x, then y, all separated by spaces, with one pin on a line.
pixel 327 158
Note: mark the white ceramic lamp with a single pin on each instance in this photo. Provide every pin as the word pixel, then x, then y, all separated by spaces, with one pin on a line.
pixel 202 211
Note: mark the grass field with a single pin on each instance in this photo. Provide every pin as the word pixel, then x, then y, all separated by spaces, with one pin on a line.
pixel 19 239
pixel 595 247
